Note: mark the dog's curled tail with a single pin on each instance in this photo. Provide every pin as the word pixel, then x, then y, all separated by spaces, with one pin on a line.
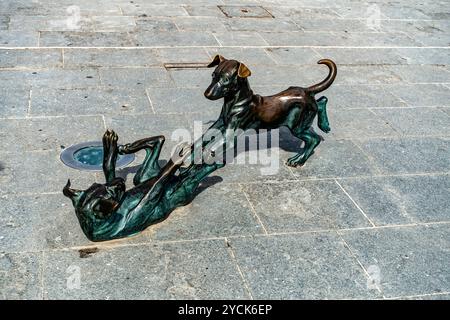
pixel 328 80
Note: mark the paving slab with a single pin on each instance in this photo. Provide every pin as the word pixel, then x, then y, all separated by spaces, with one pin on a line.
pixel 401 200
pixel 85 39
pixel 20 276
pixel 436 94
pixel 18 38
pixel 169 271
pixel 207 217
pixel 30 58
pixel 15 103
pixel 303 266
pixel 50 102
pixel 42 134
pixel 410 261
pixel 174 39
pixel 28 173
pixel 303 206
pixel 135 78
pixel 394 156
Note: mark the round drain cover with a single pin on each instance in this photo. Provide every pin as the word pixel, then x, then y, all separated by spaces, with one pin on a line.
pixel 89 156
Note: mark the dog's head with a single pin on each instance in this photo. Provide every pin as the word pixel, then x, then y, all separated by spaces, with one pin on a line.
pixel 98 201
pixel 226 78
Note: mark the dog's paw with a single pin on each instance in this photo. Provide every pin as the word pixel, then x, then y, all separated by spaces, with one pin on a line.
pixel 110 139
pixel 295 161
pixel 325 127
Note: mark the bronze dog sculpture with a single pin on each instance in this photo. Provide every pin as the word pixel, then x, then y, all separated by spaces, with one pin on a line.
pixel 107 211
pixel 294 107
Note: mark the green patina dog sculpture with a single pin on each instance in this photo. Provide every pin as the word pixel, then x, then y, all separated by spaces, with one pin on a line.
pixel 109 211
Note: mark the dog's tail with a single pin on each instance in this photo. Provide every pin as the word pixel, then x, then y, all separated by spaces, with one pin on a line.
pixel 328 80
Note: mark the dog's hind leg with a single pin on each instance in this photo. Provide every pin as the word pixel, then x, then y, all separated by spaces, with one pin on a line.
pixel 150 167
pixel 110 153
pixel 311 140
pixel 322 117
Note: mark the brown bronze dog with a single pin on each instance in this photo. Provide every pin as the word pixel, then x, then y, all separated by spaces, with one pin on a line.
pixel 294 107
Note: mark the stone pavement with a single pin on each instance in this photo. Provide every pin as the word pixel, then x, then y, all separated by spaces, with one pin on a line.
pixel 367 217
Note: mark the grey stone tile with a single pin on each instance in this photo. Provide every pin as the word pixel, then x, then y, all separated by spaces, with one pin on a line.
pixel 422 94
pixel 439 56
pixel 166 55
pixel 362 56
pixel 334 38
pixel 60 78
pixel 169 271
pixel 261 25
pixel 30 58
pixel 244 11
pixel 189 78
pixel 401 200
pixel 411 261
pixel 65 22
pixel 38 222
pixel 18 39
pixel 212 24
pixel 85 39
pixel 155 24
pixel 358 123
pixel 446 110
pixel 203 11
pixel 417 121
pixel 421 73
pixel 408 155
pixel 207 216
pixel 331 25
pixel 172 39
pixel 109 58
pixel 349 11
pixel 366 74
pixel 139 78
pixel 307 266
pixel 437 40
pixel 15 103
pixel 240 38
pixel 293 55
pixel 401 10
pixel 38 172
pixel 37 134
pixel 304 206
pixel 20 276
pixel 332 158
pixel 88 102
pixel 249 56
pixel 355 96
pixel 139 8
pixel 297 12
pixel 181 100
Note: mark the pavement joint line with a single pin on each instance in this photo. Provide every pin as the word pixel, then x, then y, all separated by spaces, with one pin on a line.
pixel 261 37
pixel 63 59
pixel 238 267
pixel 39 39
pixel 120 243
pixel 41 274
pixel 356 204
pixel 253 209
pixel 104 123
pixel 419 295
pixel 215 46
pixel 150 101
pixel 52 117
pixel 220 44
pixel 29 103
pixel 373 163
pixel 366 273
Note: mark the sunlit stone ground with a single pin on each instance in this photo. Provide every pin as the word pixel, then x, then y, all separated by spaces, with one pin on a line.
pixel 367 217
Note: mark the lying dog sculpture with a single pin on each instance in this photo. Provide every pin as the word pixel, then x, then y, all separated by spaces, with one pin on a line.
pixel 108 211
pixel 294 107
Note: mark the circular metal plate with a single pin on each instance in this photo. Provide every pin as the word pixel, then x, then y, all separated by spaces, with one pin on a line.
pixel 89 156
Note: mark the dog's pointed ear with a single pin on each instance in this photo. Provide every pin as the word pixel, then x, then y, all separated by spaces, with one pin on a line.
pixel 217 59
pixel 243 71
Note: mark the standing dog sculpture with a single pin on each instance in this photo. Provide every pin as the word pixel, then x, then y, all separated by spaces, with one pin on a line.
pixel 294 107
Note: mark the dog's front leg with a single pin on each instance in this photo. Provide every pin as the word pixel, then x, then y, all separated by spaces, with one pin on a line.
pixel 110 153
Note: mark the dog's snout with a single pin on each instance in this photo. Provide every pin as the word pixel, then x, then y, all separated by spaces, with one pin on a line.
pixel 211 92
